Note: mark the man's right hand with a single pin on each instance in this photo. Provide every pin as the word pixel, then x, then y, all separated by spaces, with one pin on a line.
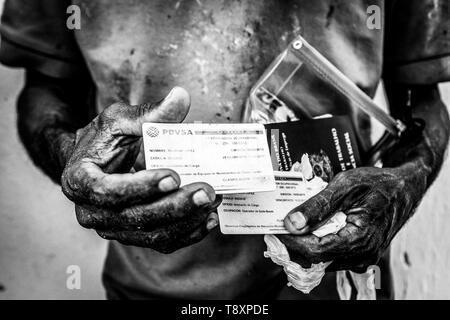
pixel 145 208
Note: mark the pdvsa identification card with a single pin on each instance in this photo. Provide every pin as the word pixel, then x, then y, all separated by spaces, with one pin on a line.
pixel 264 213
pixel 232 158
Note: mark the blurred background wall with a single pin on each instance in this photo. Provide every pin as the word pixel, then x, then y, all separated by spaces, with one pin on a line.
pixel 40 238
pixel 39 235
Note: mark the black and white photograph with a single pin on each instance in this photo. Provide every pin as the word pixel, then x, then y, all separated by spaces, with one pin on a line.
pixel 237 151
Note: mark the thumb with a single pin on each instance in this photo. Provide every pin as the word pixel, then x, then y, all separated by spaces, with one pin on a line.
pixel 312 213
pixel 173 109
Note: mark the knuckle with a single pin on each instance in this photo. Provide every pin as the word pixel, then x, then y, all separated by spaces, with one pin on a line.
pixel 84 217
pixel 166 207
pixel 114 109
pixel 71 182
pixel 315 209
pixel 322 204
pixel 144 108
pixel 66 189
pixel 99 192
pixel 108 118
pixel 353 176
pixel 341 176
pixel 131 217
pixel 98 189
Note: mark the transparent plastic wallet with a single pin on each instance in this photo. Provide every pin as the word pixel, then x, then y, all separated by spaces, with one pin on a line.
pixel 292 87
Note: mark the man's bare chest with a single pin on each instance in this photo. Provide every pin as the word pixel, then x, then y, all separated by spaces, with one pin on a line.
pixel 138 50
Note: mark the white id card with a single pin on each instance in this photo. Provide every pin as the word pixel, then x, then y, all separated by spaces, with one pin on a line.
pixel 263 213
pixel 232 158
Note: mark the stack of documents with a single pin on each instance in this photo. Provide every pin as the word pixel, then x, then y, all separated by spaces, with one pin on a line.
pixel 263 172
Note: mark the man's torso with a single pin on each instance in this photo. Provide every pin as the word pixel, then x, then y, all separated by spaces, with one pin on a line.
pixel 138 50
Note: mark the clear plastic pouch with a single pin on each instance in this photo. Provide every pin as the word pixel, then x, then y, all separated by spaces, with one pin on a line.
pixel 286 91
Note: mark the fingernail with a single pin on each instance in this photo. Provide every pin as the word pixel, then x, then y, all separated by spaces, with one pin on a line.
pixel 169 94
pixel 167 184
pixel 201 197
pixel 211 224
pixel 298 220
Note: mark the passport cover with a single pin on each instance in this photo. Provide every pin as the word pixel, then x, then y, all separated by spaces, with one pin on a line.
pixel 330 143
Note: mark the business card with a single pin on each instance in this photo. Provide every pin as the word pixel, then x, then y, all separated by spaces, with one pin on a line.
pixel 263 213
pixel 232 158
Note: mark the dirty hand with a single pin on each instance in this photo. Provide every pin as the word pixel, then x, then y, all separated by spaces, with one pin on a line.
pixel 145 208
pixel 376 202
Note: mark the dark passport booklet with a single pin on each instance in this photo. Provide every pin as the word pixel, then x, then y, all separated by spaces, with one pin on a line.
pixel 330 144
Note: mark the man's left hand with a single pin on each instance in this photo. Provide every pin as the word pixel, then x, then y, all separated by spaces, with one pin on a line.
pixel 375 200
